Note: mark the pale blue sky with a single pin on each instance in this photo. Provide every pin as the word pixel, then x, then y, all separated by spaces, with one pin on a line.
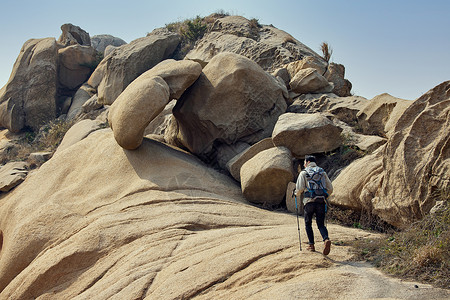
pixel 395 46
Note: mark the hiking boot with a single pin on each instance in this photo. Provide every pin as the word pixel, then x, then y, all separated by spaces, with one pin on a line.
pixel 311 248
pixel 326 250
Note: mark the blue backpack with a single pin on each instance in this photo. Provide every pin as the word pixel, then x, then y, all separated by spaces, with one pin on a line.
pixel 315 184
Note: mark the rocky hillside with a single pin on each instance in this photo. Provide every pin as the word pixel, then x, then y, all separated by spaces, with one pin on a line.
pixel 166 201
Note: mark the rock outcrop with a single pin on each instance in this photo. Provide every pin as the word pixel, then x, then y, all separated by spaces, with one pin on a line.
pixel 381 114
pixel 126 63
pixel 232 100
pixel 72 35
pixel 29 96
pixel 156 223
pixel 268 46
pixel 397 182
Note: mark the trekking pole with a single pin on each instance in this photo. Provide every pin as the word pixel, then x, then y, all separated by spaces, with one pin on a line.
pixel 298 223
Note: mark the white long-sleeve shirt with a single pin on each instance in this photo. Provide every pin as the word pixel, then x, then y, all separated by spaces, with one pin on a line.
pixel 302 181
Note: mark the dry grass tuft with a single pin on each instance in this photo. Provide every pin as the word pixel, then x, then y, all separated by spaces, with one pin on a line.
pixel 327 51
pixel 47 140
pixel 421 252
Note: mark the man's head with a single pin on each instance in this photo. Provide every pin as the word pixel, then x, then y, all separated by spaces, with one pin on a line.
pixel 309 158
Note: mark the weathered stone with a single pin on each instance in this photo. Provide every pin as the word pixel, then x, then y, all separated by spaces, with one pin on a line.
pixel 283 74
pixel 306 133
pixel 226 152
pixel 133 110
pixel 335 74
pixel 82 95
pixel 72 35
pixel 29 96
pixel 91 104
pixel 398 182
pixel 40 156
pixel 78 132
pixel 100 42
pixel 232 100
pixel 100 222
pixel 76 64
pixel 268 46
pixel 381 114
pixel 265 176
pixel 162 121
pixel 179 75
pixel 306 62
pixel 345 109
pixel 12 174
pixel 234 165
pixel 309 81
pixel 116 71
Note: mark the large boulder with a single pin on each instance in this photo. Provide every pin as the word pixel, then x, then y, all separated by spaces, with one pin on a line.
pixel 399 182
pixel 235 164
pixel 179 75
pixel 306 133
pixel 101 41
pixel 76 64
pixel 232 100
pixel 308 81
pixel 133 110
pixel 268 46
pixel 29 96
pixel 306 62
pixel 72 35
pixel 126 63
pixel 265 176
pixel 381 114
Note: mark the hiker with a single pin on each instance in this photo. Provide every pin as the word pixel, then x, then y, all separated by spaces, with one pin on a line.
pixel 315 186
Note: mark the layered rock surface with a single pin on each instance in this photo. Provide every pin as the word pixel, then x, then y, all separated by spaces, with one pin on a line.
pixel 139 229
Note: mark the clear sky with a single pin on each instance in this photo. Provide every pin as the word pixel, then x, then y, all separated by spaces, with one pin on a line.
pixel 400 47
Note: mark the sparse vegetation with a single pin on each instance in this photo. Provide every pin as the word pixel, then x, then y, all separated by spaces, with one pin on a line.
pixel 327 51
pixel 421 252
pixel 254 23
pixel 48 140
pixel 190 31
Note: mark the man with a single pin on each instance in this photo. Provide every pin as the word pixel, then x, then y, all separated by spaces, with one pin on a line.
pixel 314 199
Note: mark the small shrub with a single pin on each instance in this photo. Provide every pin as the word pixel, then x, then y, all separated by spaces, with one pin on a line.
pixel 254 23
pixel 190 31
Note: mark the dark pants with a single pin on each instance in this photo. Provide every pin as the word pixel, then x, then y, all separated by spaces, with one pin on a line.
pixel 312 208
